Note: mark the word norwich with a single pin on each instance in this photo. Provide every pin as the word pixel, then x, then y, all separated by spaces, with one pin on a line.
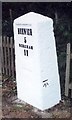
pixel 26 46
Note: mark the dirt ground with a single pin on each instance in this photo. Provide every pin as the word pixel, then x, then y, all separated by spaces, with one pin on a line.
pixel 15 108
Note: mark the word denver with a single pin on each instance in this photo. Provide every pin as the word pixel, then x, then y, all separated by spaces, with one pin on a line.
pixel 24 31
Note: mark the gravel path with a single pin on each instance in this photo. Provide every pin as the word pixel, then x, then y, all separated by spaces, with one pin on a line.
pixel 15 108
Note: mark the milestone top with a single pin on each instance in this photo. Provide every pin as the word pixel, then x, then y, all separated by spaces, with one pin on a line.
pixel 32 17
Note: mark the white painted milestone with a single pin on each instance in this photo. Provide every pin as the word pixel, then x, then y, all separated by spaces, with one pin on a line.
pixel 36 63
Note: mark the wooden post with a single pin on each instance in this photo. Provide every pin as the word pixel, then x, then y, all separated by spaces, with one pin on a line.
pixel 9 67
pixel 10 11
pixel 67 70
pixel 12 62
pixel 56 17
pixel 5 55
pixel 71 93
pixel 1 58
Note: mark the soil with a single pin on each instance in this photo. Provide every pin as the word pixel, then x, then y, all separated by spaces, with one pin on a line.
pixel 12 107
